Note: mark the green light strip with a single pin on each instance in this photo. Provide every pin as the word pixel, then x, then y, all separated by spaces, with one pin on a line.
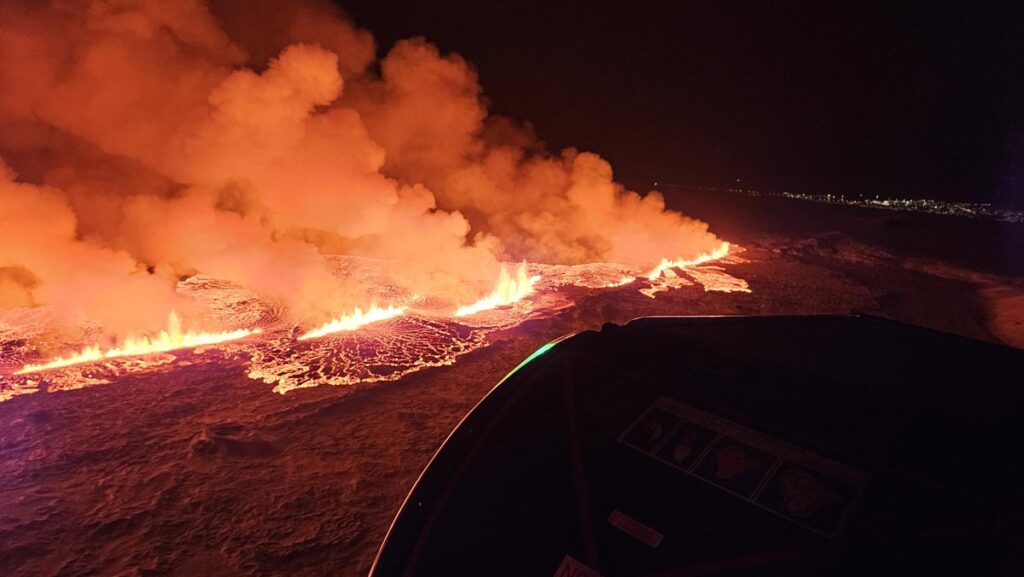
pixel 532 356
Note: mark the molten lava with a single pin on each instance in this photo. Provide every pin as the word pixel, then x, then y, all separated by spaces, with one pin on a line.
pixel 293 166
pixel 509 290
pixel 354 320
pixel 702 258
pixel 168 340
pixel 625 280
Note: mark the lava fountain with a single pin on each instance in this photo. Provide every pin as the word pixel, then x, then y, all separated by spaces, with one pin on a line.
pixel 510 289
pixel 285 156
pixel 173 338
pixel 354 320
pixel 721 252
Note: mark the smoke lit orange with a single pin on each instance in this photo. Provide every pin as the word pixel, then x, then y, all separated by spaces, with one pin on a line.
pixel 283 151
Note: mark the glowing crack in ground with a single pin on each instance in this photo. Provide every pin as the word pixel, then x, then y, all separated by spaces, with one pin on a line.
pixel 379 345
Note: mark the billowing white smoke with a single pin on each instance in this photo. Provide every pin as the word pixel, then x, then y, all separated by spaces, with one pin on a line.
pixel 146 140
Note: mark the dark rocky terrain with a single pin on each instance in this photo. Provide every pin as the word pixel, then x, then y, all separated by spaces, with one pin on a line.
pixel 191 467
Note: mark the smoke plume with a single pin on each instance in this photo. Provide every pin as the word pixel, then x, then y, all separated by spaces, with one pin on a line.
pixel 143 141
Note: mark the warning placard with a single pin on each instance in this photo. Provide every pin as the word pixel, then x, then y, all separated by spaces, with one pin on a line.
pixel 797 484
pixel 572 568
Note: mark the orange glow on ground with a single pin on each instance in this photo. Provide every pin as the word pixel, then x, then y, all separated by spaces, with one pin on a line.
pixel 714 279
pixel 509 290
pixel 167 340
pixel 356 319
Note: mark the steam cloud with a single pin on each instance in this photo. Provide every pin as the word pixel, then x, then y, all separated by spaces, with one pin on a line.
pixel 146 140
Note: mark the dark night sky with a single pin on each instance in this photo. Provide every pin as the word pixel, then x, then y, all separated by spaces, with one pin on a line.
pixel 909 99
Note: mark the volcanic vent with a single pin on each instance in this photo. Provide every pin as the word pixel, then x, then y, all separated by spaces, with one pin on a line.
pixel 183 183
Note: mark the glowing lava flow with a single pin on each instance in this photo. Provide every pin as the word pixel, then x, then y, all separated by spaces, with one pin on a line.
pixel 702 258
pixel 621 282
pixel 353 321
pixel 508 291
pixel 168 340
